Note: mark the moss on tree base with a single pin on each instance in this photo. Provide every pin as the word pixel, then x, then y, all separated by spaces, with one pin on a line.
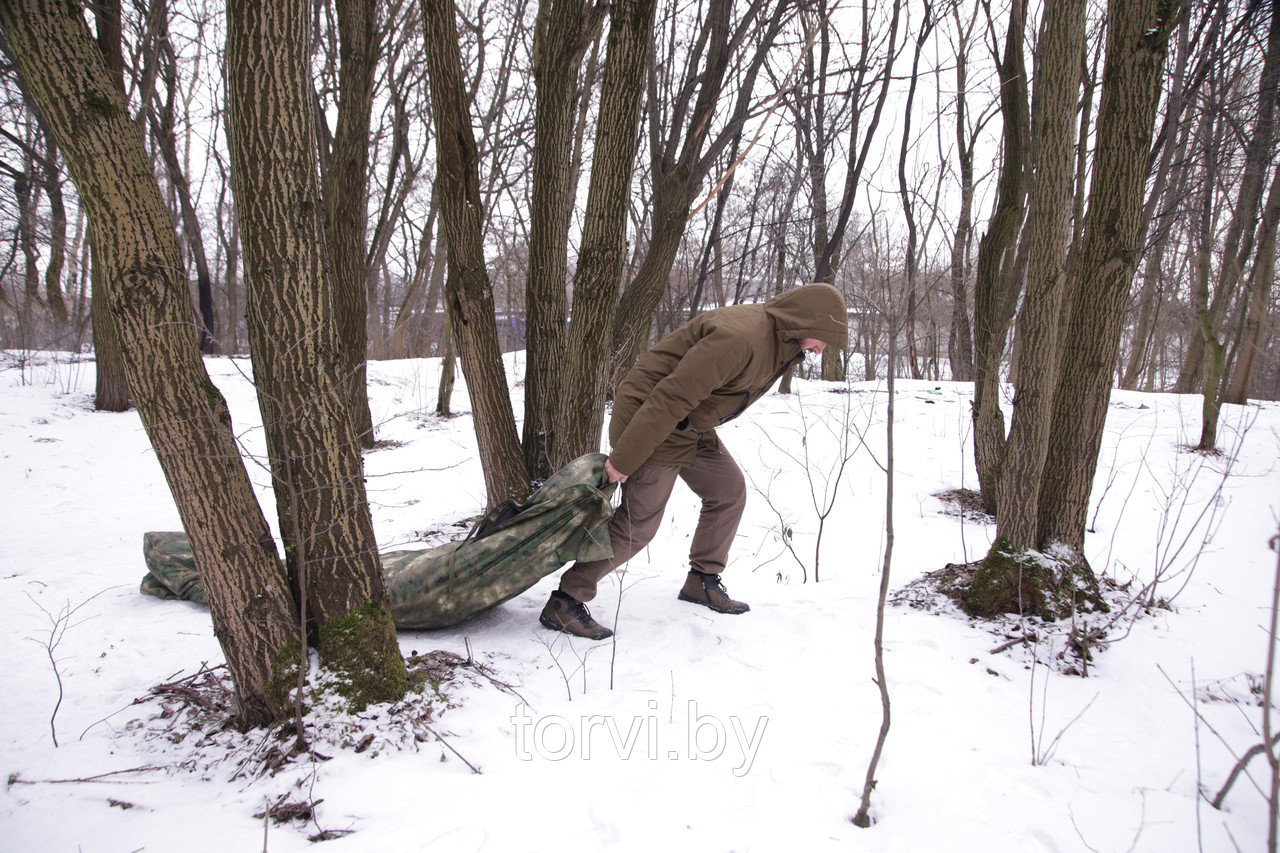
pixel 360 648
pixel 1049 584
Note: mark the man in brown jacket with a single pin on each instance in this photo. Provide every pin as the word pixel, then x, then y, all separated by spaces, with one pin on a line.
pixel 663 426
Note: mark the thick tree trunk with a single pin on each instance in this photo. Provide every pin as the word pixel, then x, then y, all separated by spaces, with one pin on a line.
pixel 1137 41
pixel 186 418
pixel 346 199
pixel 298 362
pixel 1057 85
pixel 563 31
pixel 470 293
pixel 989 323
pixel 584 374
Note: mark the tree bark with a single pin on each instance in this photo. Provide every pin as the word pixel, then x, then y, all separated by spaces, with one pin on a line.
pixel 989 324
pixel 469 291
pixel 1057 85
pixel 1137 42
pixel 960 332
pixel 346 199
pixel 111 391
pixel 298 363
pixel 584 373
pixel 563 32
pixel 186 418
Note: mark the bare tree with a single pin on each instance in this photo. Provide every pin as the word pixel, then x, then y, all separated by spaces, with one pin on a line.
pixel 298 363
pixel 564 31
pixel 146 292
pixel 346 197
pixel 583 376
pixel 1137 43
pixel 469 290
pixel 995 251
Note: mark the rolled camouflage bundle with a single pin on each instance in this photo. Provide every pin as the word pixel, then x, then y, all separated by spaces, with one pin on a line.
pixel 509 550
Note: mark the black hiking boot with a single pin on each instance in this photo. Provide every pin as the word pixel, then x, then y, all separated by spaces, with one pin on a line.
pixel 708 590
pixel 567 614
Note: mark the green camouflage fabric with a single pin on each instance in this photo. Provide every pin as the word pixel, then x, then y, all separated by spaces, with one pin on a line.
pixel 507 551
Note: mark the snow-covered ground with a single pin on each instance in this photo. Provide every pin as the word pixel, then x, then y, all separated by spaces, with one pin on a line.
pixel 693 730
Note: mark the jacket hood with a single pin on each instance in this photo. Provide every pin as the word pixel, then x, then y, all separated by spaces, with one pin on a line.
pixel 811 311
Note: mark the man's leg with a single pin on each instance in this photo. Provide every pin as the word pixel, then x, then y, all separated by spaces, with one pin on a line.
pixel 634 524
pixel 715 478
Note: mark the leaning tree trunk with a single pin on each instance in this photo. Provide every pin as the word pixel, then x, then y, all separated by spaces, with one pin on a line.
pixel 298 363
pixel 346 199
pixel 145 290
pixel 469 291
pixel 584 374
pixel 1137 41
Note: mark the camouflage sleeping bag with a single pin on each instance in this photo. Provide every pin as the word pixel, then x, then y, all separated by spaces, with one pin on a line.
pixel 507 551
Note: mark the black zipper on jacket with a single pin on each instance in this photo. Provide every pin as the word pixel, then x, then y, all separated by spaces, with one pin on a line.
pixel 749 398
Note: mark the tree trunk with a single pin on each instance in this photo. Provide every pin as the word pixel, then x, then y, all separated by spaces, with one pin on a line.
pixel 111 392
pixel 1137 41
pixel 1263 277
pixel 960 332
pixel 186 418
pixel 298 363
pixel 563 32
pixel 52 185
pixel 989 324
pixel 164 133
pixel 445 392
pixel 904 194
pixel 470 293
pixel 584 373
pixel 346 199
pixel 1057 85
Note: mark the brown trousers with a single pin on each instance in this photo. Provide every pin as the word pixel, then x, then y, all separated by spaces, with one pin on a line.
pixel 713 476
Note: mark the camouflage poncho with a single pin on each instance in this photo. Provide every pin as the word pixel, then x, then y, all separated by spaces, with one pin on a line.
pixel 509 550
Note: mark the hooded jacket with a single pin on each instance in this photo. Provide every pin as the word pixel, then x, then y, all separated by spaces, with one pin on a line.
pixel 709 370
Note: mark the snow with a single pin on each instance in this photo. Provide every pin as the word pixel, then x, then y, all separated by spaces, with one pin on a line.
pixel 695 730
